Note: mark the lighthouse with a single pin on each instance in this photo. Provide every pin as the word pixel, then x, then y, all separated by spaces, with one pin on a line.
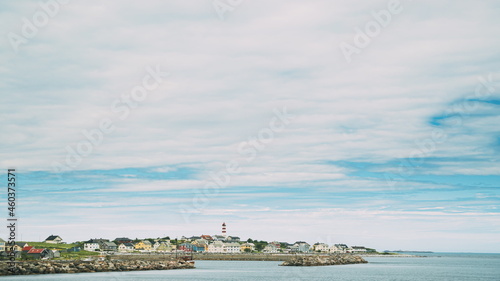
pixel 224 229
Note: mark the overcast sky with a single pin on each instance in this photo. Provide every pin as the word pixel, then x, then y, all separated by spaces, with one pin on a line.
pixel 362 122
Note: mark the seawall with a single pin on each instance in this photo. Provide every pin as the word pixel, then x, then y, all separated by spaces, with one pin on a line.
pixel 337 259
pixel 51 267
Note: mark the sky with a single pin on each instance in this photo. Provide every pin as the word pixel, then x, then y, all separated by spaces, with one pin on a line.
pixel 368 123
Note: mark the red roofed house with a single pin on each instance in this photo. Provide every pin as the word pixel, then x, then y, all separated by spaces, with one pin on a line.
pixel 38 253
pixel 26 249
pixel 207 237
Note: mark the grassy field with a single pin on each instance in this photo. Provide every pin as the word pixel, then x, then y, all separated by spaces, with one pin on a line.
pixel 40 245
pixel 64 255
pixel 77 255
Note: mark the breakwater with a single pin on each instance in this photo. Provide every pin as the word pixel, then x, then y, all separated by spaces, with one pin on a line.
pixel 338 259
pixel 51 267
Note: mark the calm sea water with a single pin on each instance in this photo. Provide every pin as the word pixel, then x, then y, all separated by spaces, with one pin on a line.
pixel 438 267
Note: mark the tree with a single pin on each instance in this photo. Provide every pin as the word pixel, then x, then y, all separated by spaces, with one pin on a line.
pixel 248 250
pixel 260 245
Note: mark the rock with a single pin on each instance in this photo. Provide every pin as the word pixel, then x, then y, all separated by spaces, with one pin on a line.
pixel 50 267
pixel 324 260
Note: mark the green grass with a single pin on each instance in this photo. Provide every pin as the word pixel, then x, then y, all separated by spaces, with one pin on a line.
pixel 77 255
pixel 41 245
pixel 64 256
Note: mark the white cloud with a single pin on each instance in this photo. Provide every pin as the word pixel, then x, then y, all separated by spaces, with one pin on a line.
pixel 228 76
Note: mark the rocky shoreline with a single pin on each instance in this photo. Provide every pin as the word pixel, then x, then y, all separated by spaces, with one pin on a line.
pixel 324 260
pixel 52 267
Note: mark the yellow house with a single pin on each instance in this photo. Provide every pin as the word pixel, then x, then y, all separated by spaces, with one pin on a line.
pixel 143 245
pixel 249 246
pixel 17 247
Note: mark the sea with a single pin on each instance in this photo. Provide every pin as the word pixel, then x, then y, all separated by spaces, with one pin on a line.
pixel 426 266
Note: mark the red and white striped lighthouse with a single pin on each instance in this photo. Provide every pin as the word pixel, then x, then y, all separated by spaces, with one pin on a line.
pixel 224 229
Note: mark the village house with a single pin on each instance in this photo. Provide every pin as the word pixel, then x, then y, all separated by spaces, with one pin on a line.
pixel 270 249
pixel 27 249
pixel 108 246
pixel 169 246
pixel 232 248
pixel 163 247
pixel 6 255
pixel 249 247
pixel 143 245
pixel 344 248
pixel 122 240
pixel 2 245
pixel 207 237
pixel 55 254
pixel 156 245
pixel 321 248
pixel 300 247
pixel 335 250
pixel 91 246
pixel 358 249
pixel 216 247
pixel 186 247
pixel 219 238
pixel 38 253
pixel 18 247
pixel 276 244
pixel 201 245
pixel 126 247
pixel 53 239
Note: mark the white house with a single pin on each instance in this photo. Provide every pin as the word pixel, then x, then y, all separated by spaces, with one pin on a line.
pixel 270 248
pixel 300 247
pixel 321 247
pixel 216 247
pixel 232 247
pixel 219 238
pixel 341 248
pixel 359 249
pixel 335 249
pixel 126 247
pixel 91 246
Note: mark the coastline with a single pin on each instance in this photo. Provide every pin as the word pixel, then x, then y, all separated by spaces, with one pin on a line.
pixel 141 262
pixel 79 266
